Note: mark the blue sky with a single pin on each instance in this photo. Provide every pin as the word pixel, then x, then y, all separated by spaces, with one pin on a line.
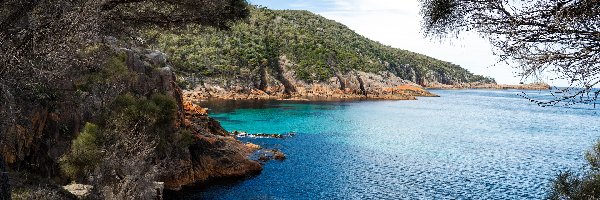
pixel 397 23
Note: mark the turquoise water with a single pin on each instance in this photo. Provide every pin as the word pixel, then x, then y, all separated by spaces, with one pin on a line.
pixel 466 144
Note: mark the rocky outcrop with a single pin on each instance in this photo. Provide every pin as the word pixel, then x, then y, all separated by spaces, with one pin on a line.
pixel 265 155
pixel 213 155
pixel 43 132
pixel 241 134
pixel 286 85
pixel 214 158
pixel 478 85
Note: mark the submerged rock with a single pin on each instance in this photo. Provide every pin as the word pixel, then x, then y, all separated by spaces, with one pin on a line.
pixel 241 134
pixel 253 147
pixel 259 153
pixel 268 154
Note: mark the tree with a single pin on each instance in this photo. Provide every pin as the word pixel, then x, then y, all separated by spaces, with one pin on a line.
pixel 560 36
pixel 4 185
pixel 48 45
pixel 587 186
pixel 43 42
pixel 557 36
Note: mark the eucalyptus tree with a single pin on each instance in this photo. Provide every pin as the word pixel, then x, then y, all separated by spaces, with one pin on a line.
pixel 47 45
pixel 561 37
pixel 4 185
pixel 44 43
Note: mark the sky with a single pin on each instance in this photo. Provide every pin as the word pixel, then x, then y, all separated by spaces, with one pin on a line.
pixel 397 23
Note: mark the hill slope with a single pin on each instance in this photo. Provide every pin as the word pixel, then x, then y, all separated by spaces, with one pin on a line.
pixel 299 53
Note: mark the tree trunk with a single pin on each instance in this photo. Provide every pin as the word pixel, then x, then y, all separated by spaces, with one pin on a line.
pixel 4 185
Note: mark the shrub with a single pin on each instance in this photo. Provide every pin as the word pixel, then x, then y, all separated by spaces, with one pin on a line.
pixel 186 138
pixel 114 71
pixel 182 83
pixel 568 185
pixel 318 46
pixel 85 153
pixel 167 108
pixel 158 110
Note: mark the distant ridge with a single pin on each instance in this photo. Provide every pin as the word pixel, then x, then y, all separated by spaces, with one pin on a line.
pixel 297 53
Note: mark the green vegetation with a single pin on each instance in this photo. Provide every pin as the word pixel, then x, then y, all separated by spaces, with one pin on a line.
pixel 186 138
pixel 158 110
pixel 571 186
pixel 85 153
pixel 115 70
pixel 319 47
pixel 60 61
pixel 157 114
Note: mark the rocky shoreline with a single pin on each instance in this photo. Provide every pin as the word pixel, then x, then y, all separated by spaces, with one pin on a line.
pixel 492 86
pixel 284 84
pixel 321 93
pixel 318 93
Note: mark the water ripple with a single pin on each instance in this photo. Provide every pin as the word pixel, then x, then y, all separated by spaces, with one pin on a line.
pixel 471 144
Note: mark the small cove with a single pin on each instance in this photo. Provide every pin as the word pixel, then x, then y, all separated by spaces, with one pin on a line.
pixel 466 144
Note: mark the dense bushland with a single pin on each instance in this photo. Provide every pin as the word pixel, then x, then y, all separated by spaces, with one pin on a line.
pixel 319 47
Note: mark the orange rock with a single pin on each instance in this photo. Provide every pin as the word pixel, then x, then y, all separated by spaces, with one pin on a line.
pixel 252 146
pixel 410 87
pixel 193 109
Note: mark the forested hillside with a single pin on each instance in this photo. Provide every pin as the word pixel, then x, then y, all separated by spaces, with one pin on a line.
pixel 317 47
pixel 80 102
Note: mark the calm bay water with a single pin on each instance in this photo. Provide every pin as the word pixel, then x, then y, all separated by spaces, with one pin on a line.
pixel 466 144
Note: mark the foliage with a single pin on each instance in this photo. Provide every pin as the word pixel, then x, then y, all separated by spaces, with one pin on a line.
pixel 159 110
pixel 85 153
pixel 60 51
pixel 186 138
pixel 557 36
pixel 319 47
pixel 47 45
pixel 168 13
pixel 139 129
pixel 567 185
pixel 107 80
pixel 182 83
pixel 52 43
pixel 134 129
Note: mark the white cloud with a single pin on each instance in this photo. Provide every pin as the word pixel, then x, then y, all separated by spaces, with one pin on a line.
pixel 397 23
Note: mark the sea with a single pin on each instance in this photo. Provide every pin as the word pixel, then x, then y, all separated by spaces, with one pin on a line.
pixel 465 144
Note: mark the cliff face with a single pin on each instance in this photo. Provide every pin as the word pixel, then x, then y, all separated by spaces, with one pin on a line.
pixel 283 83
pixel 211 158
pixel 42 132
pixel 79 105
pixel 213 155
